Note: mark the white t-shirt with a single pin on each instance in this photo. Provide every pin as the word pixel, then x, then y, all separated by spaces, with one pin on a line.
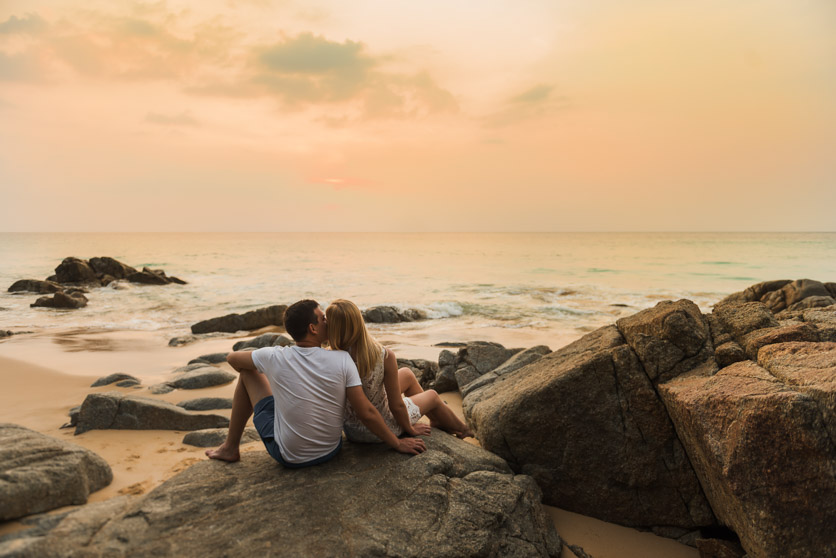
pixel 308 385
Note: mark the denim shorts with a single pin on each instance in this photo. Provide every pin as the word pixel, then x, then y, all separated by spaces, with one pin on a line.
pixel 264 416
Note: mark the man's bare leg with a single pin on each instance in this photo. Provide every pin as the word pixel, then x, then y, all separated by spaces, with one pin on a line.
pixel 252 387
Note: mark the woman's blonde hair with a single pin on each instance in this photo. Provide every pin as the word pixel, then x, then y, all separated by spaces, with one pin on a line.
pixel 347 332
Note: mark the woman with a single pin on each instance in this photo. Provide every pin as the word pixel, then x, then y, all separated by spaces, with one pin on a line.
pixel 396 393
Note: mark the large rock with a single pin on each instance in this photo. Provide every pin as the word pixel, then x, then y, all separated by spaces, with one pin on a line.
pixel 34 286
pixel 202 377
pixel 783 294
pixel 40 473
pixel 206 403
pixel 103 411
pixel 425 370
pixel 264 340
pixel 392 315
pixel 116 377
pixel 671 338
pixel 61 300
pixel 454 500
pixel 519 360
pixel 213 437
pixel 585 421
pixel 109 266
pixel 74 270
pixel 763 447
pixel 255 319
pixel 212 358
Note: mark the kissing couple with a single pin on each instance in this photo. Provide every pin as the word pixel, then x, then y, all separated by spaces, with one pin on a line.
pixel 303 396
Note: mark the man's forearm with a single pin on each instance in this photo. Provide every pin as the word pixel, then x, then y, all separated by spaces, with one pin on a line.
pixel 374 422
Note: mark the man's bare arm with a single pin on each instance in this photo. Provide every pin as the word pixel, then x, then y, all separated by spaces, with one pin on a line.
pixel 370 417
pixel 242 361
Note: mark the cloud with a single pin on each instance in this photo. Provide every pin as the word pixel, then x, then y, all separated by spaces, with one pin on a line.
pixel 28 66
pixel 534 102
pixel 182 119
pixel 214 58
pixel 537 94
pixel 30 23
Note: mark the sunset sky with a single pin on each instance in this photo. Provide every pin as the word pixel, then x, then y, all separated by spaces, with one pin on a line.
pixel 579 115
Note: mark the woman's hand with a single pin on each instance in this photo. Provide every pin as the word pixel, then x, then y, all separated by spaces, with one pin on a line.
pixel 420 429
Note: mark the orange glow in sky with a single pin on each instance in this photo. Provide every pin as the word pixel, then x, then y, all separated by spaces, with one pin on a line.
pixel 417 116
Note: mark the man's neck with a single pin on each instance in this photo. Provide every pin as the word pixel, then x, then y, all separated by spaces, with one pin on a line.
pixel 308 343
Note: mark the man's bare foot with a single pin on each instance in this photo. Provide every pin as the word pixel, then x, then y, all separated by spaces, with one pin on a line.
pixel 224 453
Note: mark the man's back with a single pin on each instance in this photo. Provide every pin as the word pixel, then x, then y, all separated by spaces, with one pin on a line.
pixel 308 385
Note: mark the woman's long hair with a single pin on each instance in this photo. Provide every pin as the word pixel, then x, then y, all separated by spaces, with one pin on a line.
pixel 347 332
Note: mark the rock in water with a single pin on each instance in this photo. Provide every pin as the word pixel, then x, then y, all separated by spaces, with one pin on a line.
pixel 109 266
pixel 34 286
pixel 255 319
pixel 74 270
pixel 62 300
pixel 455 500
pixel 112 410
pixel 40 473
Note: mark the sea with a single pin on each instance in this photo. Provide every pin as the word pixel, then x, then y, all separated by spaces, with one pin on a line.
pixel 520 289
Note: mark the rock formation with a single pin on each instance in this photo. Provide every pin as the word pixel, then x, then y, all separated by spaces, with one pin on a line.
pixel 392 315
pixel 40 473
pixel 113 410
pixel 454 500
pixel 254 319
pixel 672 418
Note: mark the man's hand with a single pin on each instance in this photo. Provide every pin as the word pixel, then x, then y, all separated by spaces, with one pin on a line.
pixel 412 446
pixel 420 429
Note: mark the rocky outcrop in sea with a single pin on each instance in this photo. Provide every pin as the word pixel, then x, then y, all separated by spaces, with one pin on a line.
pixel 73 274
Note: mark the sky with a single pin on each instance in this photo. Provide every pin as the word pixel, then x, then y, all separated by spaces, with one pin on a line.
pixel 386 115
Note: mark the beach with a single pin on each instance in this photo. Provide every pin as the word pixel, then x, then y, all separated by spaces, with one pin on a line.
pixel 519 291
pixel 48 375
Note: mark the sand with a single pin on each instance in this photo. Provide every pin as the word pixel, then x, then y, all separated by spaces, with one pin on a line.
pixel 40 395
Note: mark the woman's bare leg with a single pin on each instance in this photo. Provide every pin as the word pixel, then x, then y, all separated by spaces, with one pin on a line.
pixel 440 415
pixel 408 382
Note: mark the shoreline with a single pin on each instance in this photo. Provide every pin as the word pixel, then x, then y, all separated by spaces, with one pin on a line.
pixel 39 396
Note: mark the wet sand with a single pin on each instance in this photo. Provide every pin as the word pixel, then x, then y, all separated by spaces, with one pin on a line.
pixel 39 396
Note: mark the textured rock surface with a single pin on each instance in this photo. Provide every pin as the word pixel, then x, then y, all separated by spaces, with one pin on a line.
pixel 206 376
pixel 763 453
pixel 264 340
pixel 206 403
pixel 74 270
pixel 113 378
pixel 523 358
pixel 454 500
pixel 61 300
pixel 425 370
pixel 213 358
pixel 213 437
pixel 392 315
pixel 34 286
pixel 587 424
pixel 40 473
pixel 669 339
pixel 112 410
pixel 271 315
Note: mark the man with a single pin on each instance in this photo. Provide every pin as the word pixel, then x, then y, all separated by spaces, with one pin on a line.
pixel 298 394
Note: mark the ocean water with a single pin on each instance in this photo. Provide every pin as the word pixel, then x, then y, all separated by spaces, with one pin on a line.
pixel 517 289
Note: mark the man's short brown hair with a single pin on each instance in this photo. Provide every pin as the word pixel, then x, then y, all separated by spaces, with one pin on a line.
pixel 299 316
